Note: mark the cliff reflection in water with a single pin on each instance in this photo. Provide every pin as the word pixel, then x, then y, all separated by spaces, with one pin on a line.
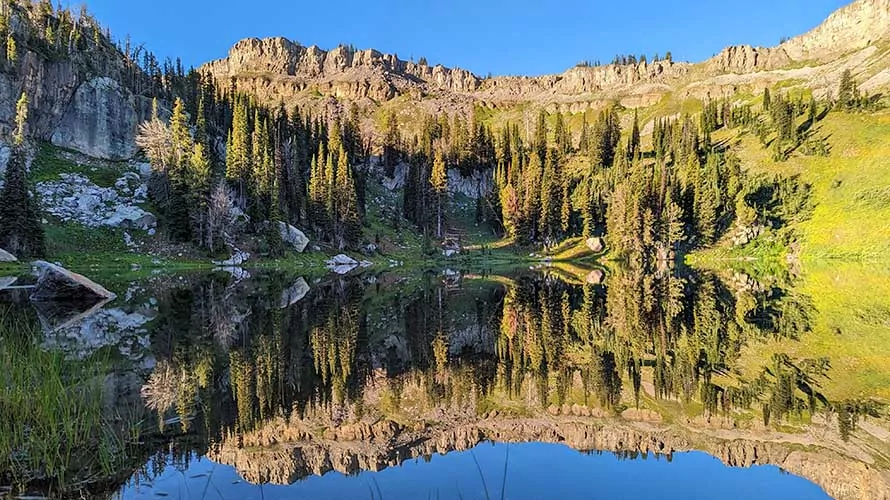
pixel 362 374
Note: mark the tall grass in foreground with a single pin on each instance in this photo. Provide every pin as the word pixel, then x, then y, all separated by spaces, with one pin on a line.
pixel 54 428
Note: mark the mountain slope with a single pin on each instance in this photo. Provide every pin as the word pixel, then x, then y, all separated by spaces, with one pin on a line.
pixel 277 70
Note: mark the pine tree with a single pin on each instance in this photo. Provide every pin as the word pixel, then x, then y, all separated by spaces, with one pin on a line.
pixel 633 143
pixel 767 101
pixel 347 203
pixel 531 193
pixel 439 183
pixel 20 230
pixel 199 194
pixel 584 141
pixel 540 141
pixel 21 119
pixel 12 54
pixel 551 191
pixel 846 90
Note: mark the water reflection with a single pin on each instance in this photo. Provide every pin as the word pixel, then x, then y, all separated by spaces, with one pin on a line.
pixel 487 471
pixel 283 379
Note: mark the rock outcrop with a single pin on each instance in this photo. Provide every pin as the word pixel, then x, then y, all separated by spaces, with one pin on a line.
pixel 295 238
pixel 341 72
pixel 81 97
pixel 74 198
pixel 6 256
pixel 101 120
pixel 851 28
pixel 57 283
pixel 595 244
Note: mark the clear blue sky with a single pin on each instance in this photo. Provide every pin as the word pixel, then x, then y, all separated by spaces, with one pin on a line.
pixel 497 36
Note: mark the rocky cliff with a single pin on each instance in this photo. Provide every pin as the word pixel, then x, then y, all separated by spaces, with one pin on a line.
pixel 79 95
pixel 276 69
pixel 342 72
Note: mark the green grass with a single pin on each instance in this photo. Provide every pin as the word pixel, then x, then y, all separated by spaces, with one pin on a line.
pixel 50 162
pixel 851 220
pixel 55 427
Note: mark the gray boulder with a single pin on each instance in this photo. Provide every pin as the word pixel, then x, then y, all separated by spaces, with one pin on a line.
pixel 342 264
pixel 293 237
pixel 595 244
pixel 131 217
pixel 6 256
pixel 7 281
pixel 294 293
pixel 56 283
pixel 237 258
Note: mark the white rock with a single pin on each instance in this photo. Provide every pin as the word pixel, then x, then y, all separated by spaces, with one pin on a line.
pixel 294 293
pixel 6 256
pixel 342 260
pixel 293 237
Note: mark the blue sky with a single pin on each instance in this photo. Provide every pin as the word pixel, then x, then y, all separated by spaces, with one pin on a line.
pixel 497 36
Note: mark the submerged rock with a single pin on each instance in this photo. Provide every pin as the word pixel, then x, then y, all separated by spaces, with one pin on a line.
pixel 57 283
pixel 6 256
pixel 293 237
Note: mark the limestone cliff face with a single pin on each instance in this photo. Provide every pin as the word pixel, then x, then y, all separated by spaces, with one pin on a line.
pixel 277 67
pixel 341 72
pixel 854 27
pixel 288 452
pixel 76 99
pixel 741 59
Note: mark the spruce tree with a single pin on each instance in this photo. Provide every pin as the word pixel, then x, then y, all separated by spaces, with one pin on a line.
pixel 12 54
pixel 21 232
pixel 347 204
pixel 846 90
pixel 439 183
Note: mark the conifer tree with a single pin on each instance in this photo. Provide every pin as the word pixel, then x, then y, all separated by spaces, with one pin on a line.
pixel 633 143
pixel 767 101
pixel 21 119
pixel 439 183
pixel 846 91
pixel 12 53
pixel 21 232
pixel 347 203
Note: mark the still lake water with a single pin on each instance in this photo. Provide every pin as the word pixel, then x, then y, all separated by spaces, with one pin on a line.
pixel 433 385
pixel 534 471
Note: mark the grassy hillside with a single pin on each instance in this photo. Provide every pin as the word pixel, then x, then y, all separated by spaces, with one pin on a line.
pixel 851 187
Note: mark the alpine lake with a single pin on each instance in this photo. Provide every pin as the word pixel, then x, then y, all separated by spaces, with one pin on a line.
pixel 559 381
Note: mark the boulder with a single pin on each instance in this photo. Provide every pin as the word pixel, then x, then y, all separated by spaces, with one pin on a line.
pixel 595 244
pixel 342 260
pixel 294 293
pixel 342 264
pixel 6 256
pixel 57 283
pixel 595 277
pixel 237 258
pixel 131 217
pixel 7 281
pixel 293 237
